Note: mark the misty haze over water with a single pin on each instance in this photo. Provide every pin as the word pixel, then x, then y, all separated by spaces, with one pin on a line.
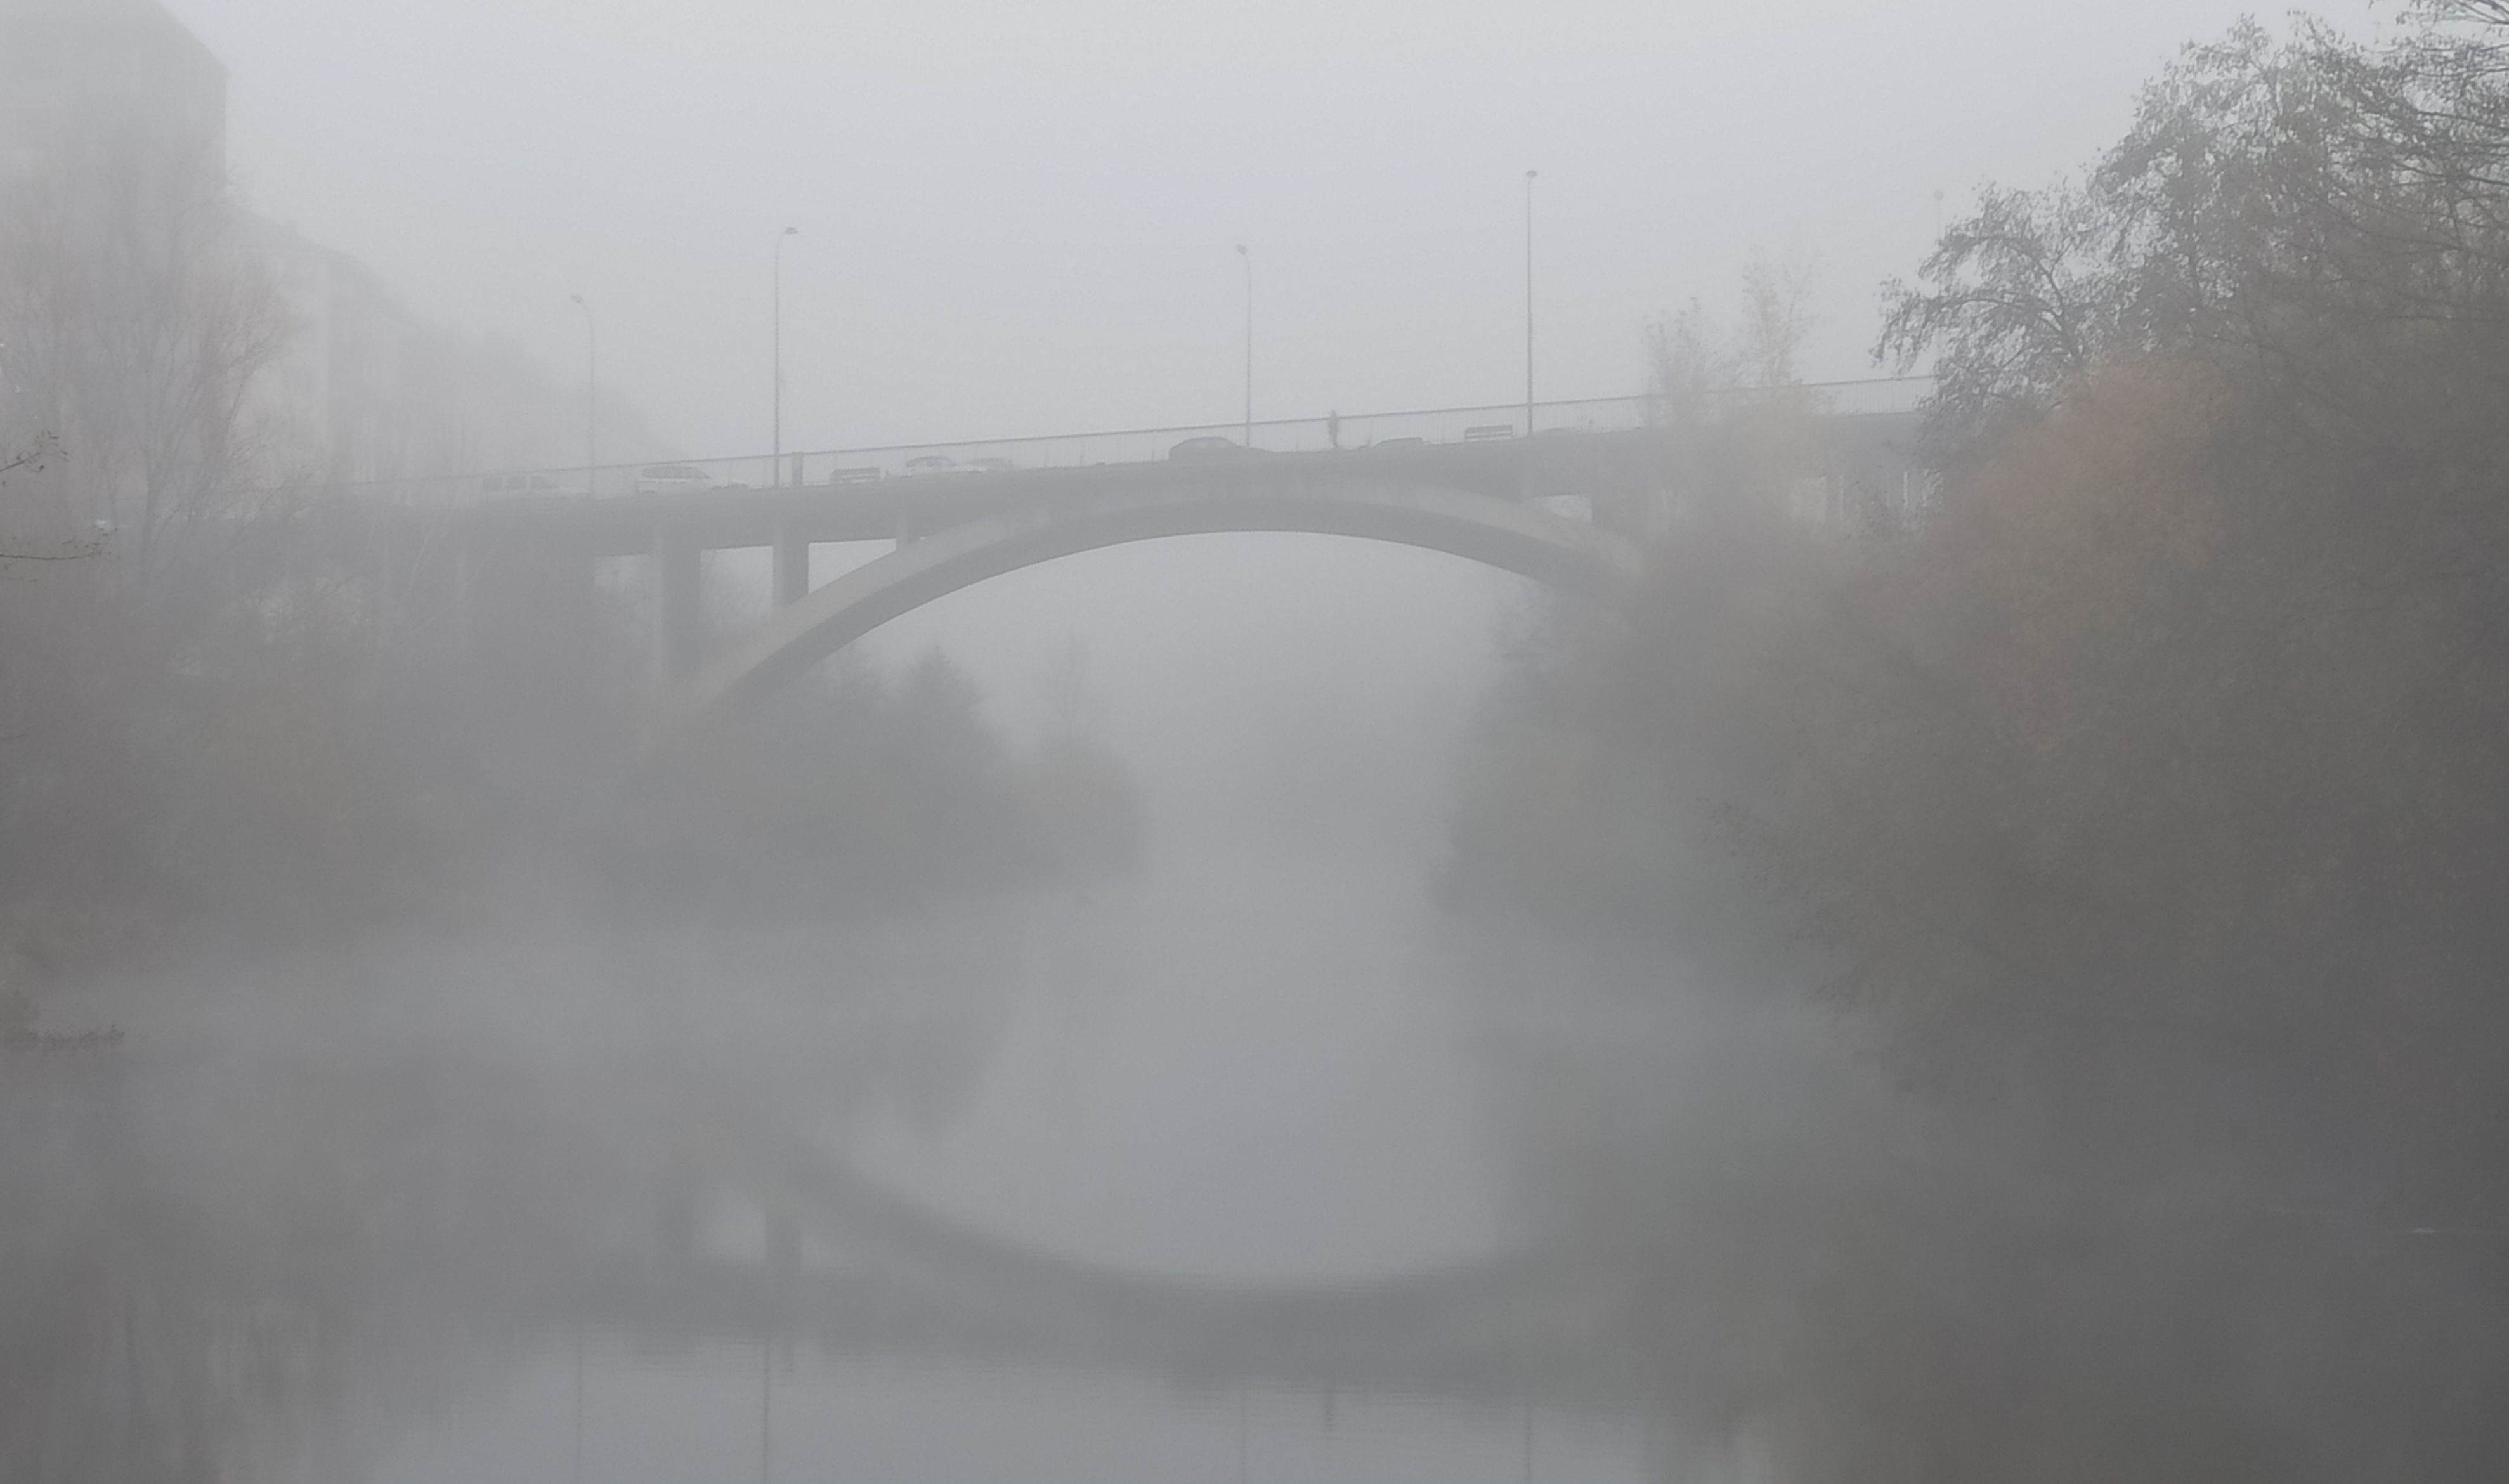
pixel 1628 742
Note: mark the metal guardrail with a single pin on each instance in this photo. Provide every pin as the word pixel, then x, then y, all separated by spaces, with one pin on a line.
pixel 1877 396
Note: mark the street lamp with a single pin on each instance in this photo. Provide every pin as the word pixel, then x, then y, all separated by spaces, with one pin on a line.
pixel 591 396
pixel 1529 178
pixel 1248 260
pixel 779 350
pixel 575 1476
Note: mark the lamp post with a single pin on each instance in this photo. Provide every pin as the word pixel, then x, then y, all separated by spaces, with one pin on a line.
pixel 591 397
pixel 1529 178
pixel 779 350
pixel 575 1475
pixel 766 1409
pixel 1247 259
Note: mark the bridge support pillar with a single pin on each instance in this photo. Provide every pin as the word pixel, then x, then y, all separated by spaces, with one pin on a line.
pixel 783 1248
pixel 462 595
pixel 678 1220
pixel 792 568
pixel 675 595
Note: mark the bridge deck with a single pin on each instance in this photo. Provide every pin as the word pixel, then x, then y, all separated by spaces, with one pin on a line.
pixel 1589 464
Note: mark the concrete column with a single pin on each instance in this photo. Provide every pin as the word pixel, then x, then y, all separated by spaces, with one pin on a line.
pixel 679 1205
pixel 462 595
pixel 783 1248
pixel 676 619
pixel 792 567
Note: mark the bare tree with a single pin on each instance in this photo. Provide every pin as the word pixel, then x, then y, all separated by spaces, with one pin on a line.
pixel 1692 360
pixel 1777 318
pixel 134 325
pixel 41 455
pixel 1687 363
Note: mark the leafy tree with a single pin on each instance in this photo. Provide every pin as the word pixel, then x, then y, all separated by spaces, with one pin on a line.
pixel 2146 806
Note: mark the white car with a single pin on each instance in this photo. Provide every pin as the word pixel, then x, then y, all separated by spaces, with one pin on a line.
pixel 520 486
pixel 672 479
pixel 1206 446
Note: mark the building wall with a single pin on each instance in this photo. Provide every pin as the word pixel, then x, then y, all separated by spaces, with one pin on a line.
pixel 113 121
pixel 81 75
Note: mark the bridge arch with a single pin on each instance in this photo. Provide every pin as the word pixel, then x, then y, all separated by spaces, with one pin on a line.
pixel 1516 538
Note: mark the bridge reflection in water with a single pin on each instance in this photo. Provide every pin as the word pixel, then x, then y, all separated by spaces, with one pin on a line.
pixel 883 1341
pixel 714 1414
pixel 773 1304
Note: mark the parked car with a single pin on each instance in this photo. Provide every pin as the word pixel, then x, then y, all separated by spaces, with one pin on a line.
pixel 1208 446
pixel 926 464
pixel 866 475
pixel 1486 433
pixel 990 466
pixel 1399 443
pixel 672 479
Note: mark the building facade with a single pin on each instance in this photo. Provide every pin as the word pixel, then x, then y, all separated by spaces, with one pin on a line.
pixel 84 77
pixel 113 139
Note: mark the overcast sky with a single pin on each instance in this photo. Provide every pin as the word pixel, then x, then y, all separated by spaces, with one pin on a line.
pixel 1021 216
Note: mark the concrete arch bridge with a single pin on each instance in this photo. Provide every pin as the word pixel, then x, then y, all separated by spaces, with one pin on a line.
pixel 1570 509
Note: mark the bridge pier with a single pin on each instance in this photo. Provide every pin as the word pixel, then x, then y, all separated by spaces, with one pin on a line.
pixel 675 1236
pixel 461 597
pixel 677 621
pixel 792 567
pixel 783 1246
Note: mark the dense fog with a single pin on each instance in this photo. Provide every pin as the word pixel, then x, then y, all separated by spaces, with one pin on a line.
pixel 1624 745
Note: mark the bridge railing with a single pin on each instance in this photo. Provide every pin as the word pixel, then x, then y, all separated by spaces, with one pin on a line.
pixel 915 461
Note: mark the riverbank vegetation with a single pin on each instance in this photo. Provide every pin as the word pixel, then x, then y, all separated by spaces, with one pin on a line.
pixel 216 725
pixel 2144 810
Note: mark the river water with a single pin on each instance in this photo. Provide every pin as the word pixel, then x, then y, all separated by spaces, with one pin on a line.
pixel 1246 1068
pixel 457 1213
pixel 1247 1074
